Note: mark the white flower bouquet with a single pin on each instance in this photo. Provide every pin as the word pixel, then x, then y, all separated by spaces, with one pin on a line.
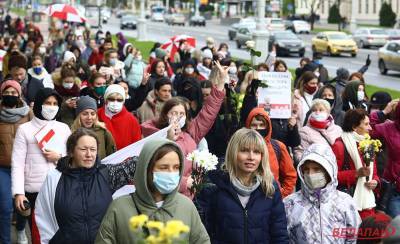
pixel 202 161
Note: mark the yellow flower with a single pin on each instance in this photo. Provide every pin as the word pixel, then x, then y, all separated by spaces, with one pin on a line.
pixel 173 229
pixel 153 240
pixel 155 225
pixel 138 221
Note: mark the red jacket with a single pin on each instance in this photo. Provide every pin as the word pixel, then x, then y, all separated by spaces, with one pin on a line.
pixel 123 126
pixel 347 178
pixel 96 58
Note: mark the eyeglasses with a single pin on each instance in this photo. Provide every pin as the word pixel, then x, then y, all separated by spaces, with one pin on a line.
pixel 115 99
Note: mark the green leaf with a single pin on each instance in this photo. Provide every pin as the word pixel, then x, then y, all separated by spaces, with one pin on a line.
pixel 263 84
pixel 257 53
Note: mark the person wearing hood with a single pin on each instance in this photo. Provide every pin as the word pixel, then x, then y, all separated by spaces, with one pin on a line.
pixel 189 72
pixel 121 44
pixel 134 66
pixel 123 126
pixel 280 162
pixel 320 128
pixel 205 67
pixel 342 78
pixel 386 127
pixel 157 71
pixel 303 96
pixel 37 71
pixel 161 54
pixel 81 66
pixel 186 131
pixel 67 84
pixel 354 96
pixel 13 112
pixel 18 72
pixel 76 194
pixel 328 93
pixel 159 169
pixel 152 106
pixel 308 67
pixel 242 203
pixel 314 212
pixel 355 176
pixel 30 163
pixel 86 117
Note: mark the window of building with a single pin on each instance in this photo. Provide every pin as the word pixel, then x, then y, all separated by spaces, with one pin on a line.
pixel 359 6
pixel 322 6
pixel 366 6
pixel 374 6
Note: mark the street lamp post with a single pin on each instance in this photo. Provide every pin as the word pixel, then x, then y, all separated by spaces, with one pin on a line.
pixel 142 29
pixel 353 21
pixel 261 35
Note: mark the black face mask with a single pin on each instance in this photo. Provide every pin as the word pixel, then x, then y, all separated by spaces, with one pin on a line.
pixel 263 132
pixel 330 101
pixel 10 101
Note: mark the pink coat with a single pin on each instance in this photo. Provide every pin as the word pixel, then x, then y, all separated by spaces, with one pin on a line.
pixel 197 129
pixel 28 165
pixel 310 135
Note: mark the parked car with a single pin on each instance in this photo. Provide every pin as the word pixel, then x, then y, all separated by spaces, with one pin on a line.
pixel 197 20
pixel 243 35
pixel 128 22
pixel 275 24
pixel 157 13
pixel 368 37
pixel 301 26
pixel 246 22
pixel 105 14
pixel 389 57
pixel 175 19
pixel 334 43
pixel 286 43
pixel 119 13
pixel 393 34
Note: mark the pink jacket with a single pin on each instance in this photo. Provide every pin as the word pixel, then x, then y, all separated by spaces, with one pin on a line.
pixel 28 165
pixel 310 135
pixel 197 129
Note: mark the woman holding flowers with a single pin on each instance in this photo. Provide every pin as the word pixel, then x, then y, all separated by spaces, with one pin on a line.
pixel 389 131
pixel 160 167
pixel 357 175
pixel 243 204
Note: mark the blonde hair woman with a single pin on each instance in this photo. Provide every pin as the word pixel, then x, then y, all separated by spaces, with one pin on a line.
pixel 86 116
pixel 243 204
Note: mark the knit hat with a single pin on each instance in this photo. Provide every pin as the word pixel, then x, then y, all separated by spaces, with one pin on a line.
pixel 17 60
pixel 84 103
pixel 207 54
pixel 11 83
pixel 160 53
pixel 380 98
pixel 114 88
pixel 342 74
pixel 68 56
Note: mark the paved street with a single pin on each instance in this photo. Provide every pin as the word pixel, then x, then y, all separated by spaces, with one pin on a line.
pixel 161 32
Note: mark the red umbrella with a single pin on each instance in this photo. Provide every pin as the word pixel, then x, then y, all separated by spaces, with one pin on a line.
pixel 65 12
pixel 173 44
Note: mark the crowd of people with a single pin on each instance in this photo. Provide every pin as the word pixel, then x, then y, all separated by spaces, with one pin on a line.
pixel 292 180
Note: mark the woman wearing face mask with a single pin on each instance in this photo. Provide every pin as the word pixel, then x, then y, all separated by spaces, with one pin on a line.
pixel 224 49
pixel 205 67
pixel 355 177
pixel 189 72
pixel 134 68
pixel 328 93
pixel 13 112
pixel 39 72
pixel 303 96
pixel 320 128
pixel 354 96
pixel 86 117
pixel 96 89
pixel 186 133
pixel 160 167
pixel 67 84
pixel 29 163
pixel 243 203
pixel 77 193
pixel 123 126
pixel 319 203
pixel 13 46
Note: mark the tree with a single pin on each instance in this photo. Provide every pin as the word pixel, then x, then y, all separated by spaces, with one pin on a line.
pixel 334 15
pixel 386 16
pixel 314 5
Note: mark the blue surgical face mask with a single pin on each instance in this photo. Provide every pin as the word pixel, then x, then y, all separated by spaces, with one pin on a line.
pixel 113 61
pixel 166 182
pixel 37 70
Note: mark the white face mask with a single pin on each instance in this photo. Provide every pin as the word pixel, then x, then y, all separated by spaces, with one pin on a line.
pixel 115 107
pixel 360 95
pixel 316 73
pixel 232 70
pixel 181 121
pixel 321 116
pixel 315 181
pixel 139 57
pixel 42 50
pixel 67 85
pixel 49 112
pixel 189 70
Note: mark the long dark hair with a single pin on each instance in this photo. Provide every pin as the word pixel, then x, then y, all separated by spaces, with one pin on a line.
pixel 163 120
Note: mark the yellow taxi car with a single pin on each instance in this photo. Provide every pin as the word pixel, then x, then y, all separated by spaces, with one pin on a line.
pixel 334 43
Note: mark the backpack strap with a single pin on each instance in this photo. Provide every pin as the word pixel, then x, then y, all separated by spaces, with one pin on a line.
pixel 277 150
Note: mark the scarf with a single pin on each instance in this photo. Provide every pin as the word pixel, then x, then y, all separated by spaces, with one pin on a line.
pixel 73 92
pixel 320 124
pixel 245 190
pixel 363 197
pixel 12 115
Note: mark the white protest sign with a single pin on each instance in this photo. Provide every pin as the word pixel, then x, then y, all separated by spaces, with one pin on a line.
pixel 277 97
